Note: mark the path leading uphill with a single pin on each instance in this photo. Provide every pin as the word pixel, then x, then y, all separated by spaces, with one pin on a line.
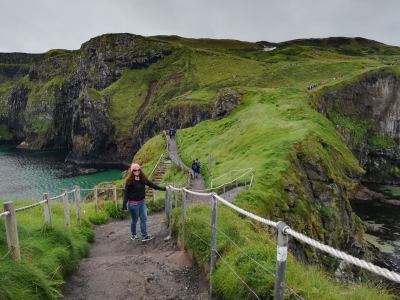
pixel 119 268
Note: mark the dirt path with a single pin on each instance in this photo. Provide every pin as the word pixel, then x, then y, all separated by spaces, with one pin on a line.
pixel 119 268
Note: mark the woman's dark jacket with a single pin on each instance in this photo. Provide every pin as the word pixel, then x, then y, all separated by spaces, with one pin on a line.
pixel 137 191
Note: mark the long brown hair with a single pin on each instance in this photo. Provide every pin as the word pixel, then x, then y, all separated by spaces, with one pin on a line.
pixel 131 178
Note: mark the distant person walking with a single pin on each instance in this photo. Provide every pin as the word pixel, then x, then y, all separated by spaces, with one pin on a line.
pixel 198 163
pixel 134 197
pixel 172 132
pixel 195 168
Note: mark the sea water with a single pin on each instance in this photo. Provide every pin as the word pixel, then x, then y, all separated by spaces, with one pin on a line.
pixel 27 174
pixel 384 216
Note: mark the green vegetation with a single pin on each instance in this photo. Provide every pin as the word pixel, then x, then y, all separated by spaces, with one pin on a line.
pixel 252 241
pixel 275 130
pixel 48 254
pixel 95 95
pixel 4 133
pixel 270 131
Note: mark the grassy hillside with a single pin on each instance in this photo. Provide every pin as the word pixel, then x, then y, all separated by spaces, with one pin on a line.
pixel 274 130
pixel 198 68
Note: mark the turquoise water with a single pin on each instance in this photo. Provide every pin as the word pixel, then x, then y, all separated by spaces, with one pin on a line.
pixel 27 174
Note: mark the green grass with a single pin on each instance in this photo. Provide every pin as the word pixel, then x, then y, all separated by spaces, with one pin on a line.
pixel 252 240
pixel 263 134
pixel 275 130
pixel 48 254
pixel 4 133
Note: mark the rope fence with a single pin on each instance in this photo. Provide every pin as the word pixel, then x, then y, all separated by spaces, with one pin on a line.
pixel 283 229
pixel 6 213
pixel 283 232
pixel 11 222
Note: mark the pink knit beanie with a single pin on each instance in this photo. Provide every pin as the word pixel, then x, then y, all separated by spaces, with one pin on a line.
pixel 135 167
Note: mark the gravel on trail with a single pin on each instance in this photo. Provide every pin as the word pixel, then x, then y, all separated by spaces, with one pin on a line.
pixel 119 268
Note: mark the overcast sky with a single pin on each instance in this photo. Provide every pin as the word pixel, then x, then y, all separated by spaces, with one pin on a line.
pixel 36 26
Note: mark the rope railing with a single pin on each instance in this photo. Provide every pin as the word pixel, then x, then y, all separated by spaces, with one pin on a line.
pixel 9 250
pixel 155 167
pixel 231 171
pixel 191 157
pixel 178 162
pixel 207 223
pixel 56 197
pixel 339 254
pixel 31 206
pixel 6 213
pixel 286 230
pixel 233 180
pixel 10 213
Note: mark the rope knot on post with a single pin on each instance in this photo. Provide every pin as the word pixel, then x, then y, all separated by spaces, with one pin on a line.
pixel 282 226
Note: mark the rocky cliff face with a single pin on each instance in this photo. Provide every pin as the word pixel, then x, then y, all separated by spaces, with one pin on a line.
pixel 58 103
pixel 373 103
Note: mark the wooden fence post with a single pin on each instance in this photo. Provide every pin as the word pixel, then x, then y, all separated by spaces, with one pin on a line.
pixel 115 195
pixel 66 209
pixel 77 196
pixel 281 261
pixel 167 199
pixel 11 230
pixel 47 209
pixel 175 196
pixel 96 202
pixel 183 217
pixel 213 254
pixel 170 211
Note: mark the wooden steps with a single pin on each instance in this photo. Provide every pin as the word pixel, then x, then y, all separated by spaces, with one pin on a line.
pixel 157 177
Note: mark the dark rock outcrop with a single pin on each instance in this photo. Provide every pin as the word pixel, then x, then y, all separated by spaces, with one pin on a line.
pixel 73 171
pixel 226 100
pixel 60 105
pixel 374 98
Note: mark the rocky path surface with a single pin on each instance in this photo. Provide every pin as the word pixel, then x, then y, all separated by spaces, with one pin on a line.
pixel 119 268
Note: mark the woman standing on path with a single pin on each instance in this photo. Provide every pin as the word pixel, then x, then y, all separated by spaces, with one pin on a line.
pixel 135 192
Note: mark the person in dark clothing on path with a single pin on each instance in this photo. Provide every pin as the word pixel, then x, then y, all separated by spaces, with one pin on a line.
pixel 172 132
pixel 198 163
pixel 134 197
pixel 195 168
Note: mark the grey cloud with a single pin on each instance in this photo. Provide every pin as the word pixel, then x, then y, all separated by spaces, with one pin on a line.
pixel 40 25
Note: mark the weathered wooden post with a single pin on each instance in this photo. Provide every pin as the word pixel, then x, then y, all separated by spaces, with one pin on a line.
pixel 183 217
pixel 96 201
pixel 11 230
pixel 77 196
pixel 115 195
pixel 166 205
pixel 175 196
pixel 47 209
pixel 66 209
pixel 213 236
pixel 281 261
pixel 170 211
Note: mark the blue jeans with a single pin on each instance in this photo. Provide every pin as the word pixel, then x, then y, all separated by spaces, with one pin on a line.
pixel 136 211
